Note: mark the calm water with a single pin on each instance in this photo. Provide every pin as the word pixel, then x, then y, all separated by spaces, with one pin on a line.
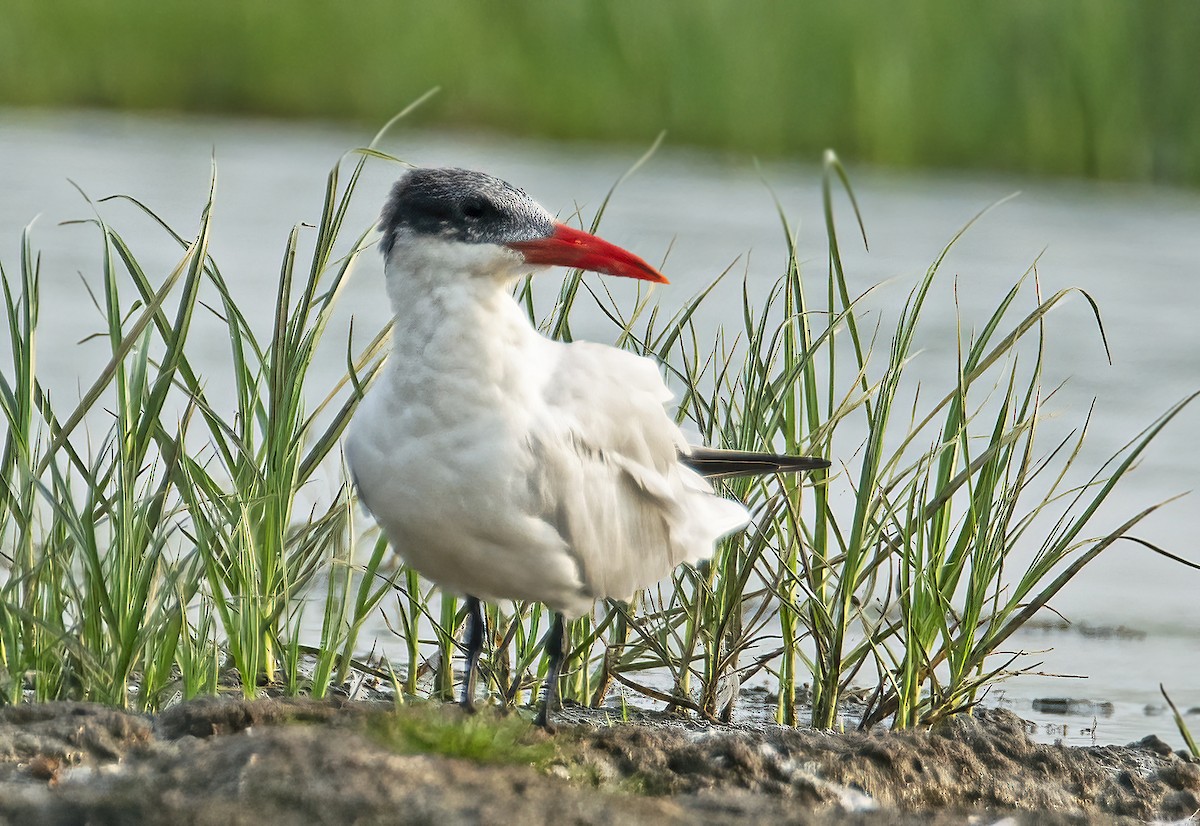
pixel 1136 250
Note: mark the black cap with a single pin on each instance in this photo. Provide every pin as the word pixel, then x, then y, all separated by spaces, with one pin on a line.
pixel 461 205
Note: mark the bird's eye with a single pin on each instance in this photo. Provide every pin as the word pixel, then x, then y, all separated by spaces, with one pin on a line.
pixel 473 208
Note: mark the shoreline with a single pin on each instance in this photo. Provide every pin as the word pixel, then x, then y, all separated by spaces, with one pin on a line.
pixel 220 760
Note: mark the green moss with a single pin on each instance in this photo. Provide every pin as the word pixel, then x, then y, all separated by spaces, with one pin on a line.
pixel 487 736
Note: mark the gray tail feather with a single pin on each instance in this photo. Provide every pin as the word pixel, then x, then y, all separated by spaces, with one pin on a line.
pixel 723 464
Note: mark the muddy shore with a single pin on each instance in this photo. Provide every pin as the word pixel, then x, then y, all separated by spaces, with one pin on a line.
pixel 219 761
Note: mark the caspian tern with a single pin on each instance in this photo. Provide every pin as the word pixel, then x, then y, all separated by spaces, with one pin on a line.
pixel 503 465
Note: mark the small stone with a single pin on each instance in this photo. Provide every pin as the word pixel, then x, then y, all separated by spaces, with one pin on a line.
pixel 1153 743
pixel 1052 705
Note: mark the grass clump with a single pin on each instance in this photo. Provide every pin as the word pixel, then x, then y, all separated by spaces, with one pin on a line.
pixel 170 558
pixel 946 528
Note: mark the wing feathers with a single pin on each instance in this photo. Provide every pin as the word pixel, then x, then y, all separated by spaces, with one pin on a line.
pixel 614 477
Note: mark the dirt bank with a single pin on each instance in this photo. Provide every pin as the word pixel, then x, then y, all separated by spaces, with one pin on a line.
pixel 295 761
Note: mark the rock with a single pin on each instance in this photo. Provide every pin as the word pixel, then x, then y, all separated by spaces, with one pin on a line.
pixel 1067 705
pixel 1154 743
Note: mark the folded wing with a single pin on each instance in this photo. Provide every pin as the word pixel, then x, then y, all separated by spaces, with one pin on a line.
pixel 607 473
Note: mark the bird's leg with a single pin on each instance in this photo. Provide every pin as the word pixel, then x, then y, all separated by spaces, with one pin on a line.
pixel 473 641
pixel 556 647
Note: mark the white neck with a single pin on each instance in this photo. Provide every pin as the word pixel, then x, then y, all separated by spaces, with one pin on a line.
pixel 459 336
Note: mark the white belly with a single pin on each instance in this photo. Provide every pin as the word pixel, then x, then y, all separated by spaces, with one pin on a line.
pixel 453 498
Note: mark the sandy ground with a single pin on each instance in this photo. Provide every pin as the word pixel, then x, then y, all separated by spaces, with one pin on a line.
pixel 219 761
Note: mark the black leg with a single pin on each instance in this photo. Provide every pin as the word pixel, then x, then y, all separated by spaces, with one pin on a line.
pixel 473 640
pixel 556 648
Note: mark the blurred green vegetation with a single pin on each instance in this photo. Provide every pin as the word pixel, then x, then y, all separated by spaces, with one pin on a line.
pixel 1104 88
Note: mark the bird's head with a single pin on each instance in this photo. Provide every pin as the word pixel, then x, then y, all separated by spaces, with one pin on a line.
pixel 483 226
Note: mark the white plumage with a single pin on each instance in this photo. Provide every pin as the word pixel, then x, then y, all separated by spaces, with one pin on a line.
pixel 504 465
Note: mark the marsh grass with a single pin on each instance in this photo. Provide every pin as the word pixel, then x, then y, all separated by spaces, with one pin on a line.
pixel 1075 87
pixel 172 557
pixel 169 557
pixel 1184 730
